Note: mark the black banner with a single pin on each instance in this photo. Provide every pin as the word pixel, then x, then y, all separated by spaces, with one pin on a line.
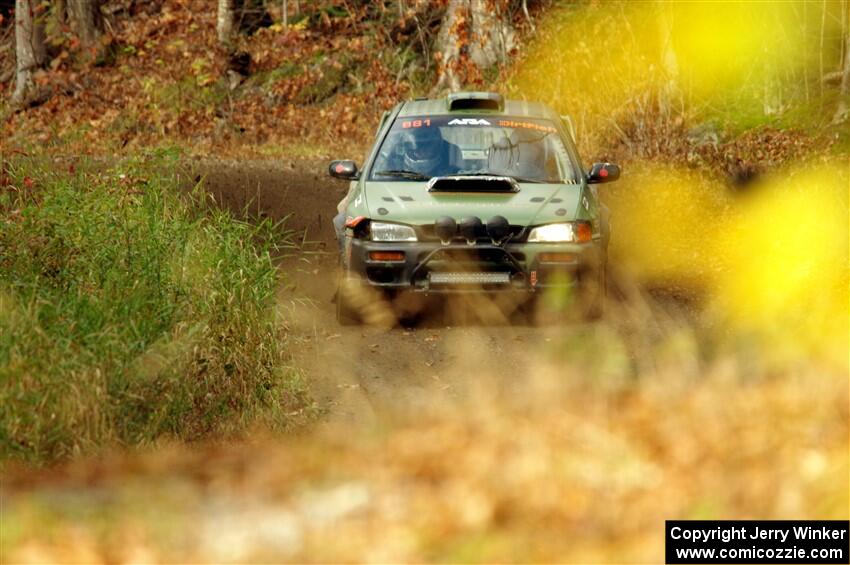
pixel 757 541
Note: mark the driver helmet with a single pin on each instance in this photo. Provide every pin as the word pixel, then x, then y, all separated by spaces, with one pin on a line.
pixel 423 149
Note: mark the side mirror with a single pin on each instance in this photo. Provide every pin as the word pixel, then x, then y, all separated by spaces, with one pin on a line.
pixel 344 170
pixel 603 172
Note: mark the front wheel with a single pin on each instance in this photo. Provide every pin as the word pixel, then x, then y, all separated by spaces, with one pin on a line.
pixel 592 292
pixel 584 301
pixel 346 313
pixel 358 303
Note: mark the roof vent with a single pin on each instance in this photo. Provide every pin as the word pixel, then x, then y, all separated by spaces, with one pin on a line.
pixel 476 101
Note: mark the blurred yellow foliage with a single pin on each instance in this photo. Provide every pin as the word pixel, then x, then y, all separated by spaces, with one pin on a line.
pixel 773 261
pixel 602 60
pixel 785 254
pixel 726 45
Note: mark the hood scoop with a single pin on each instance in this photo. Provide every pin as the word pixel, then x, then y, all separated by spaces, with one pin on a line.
pixel 473 183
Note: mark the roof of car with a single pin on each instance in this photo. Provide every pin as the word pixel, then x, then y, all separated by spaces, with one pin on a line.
pixel 440 106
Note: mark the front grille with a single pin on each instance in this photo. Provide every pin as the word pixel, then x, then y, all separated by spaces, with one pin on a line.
pixel 472 254
pixel 426 233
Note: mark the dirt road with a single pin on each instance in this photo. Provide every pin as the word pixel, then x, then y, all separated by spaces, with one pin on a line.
pixel 362 373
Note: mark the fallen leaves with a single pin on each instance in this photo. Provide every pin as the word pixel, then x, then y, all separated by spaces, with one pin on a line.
pixel 169 79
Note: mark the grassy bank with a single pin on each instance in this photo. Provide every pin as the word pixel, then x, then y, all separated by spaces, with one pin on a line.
pixel 130 313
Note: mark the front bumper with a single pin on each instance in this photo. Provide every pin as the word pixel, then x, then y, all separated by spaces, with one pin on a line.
pixel 432 267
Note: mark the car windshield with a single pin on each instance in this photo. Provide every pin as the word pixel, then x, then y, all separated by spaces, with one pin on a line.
pixel 418 148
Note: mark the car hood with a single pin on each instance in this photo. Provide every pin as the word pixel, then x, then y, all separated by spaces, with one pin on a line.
pixel 411 203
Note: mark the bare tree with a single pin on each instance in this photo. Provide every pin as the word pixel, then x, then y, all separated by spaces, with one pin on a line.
pixel 29 51
pixel 85 19
pixel 224 23
pixel 669 94
pixel 527 15
pixel 843 110
pixel 474 35
pixel 59 11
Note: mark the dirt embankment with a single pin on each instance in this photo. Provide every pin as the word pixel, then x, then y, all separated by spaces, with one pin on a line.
pixel 301 192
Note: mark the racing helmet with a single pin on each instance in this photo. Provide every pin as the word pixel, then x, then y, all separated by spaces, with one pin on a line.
pixel 423 149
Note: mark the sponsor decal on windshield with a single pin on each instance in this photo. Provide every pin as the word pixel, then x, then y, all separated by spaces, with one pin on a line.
pixel 418 122
pixel 526 125
pixel 469 122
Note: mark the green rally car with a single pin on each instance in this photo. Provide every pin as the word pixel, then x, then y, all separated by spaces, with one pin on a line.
pixel 472 193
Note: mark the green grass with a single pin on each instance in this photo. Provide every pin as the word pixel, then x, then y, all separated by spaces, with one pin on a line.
pixel 743 110
pixel 130 313
pixel 185 94
pixel 287 70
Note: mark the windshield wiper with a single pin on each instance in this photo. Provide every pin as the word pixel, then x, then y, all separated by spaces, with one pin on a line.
pixel 537 181
pixel 410 175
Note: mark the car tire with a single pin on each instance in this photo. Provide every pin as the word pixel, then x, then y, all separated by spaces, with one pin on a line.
pixel 346 313
pixel 526 312
pixel 593 296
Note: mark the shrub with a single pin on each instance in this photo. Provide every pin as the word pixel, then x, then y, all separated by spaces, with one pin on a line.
pixel 129 312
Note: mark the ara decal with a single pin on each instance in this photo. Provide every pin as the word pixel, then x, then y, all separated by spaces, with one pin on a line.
pixel 469 122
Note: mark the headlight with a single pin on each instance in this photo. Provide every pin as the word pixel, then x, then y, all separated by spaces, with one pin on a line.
pixel 561 233
pixel 552 233
pixel 391 232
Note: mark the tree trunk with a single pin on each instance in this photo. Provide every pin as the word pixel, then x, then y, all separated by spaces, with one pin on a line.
pixel 85 19
pixel 30 52
pixel 843 110
pixel 669 95
pixel 474 35
pixel 224 25
pixel 59 11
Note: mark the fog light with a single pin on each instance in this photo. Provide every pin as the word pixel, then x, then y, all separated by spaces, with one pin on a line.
pixel 498 228
pixel 445 228
pixel 469 228
pixel 386 255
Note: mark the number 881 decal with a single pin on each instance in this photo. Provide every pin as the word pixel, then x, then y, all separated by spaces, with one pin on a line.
pixel 416 123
